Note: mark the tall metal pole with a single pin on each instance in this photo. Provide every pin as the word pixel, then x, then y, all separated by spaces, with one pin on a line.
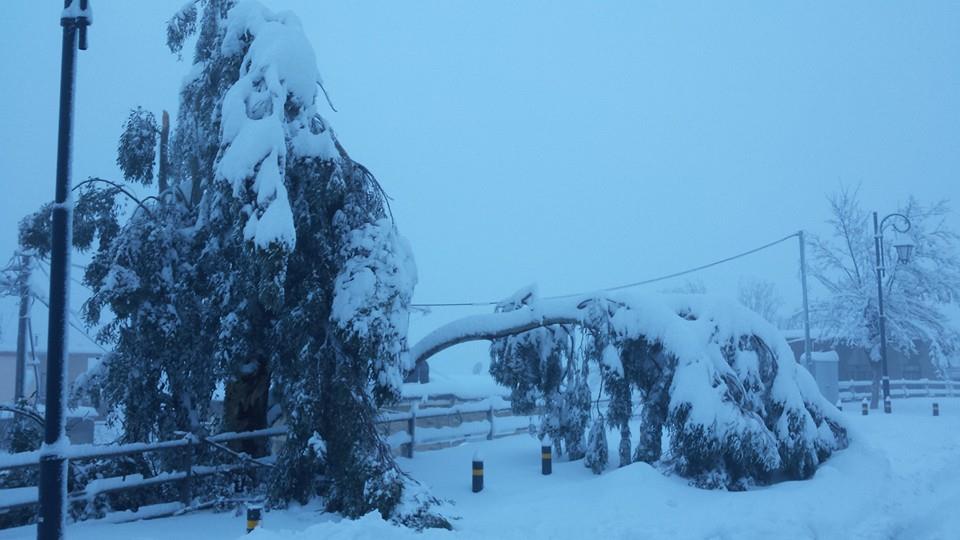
pixel 806 305
pixel 24 289
pixel 878 246
pixel 53 464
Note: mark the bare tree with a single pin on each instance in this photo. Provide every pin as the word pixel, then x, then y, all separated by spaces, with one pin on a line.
pixel 690 286
pixel 761 297
pixel 915 294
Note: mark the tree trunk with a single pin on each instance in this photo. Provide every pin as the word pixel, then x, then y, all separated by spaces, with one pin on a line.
pixel 875 386
pixel 245 407
pixel 625 445
pixel 652 417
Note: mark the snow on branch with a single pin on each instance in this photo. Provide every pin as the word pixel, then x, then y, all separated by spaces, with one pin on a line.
pixel 267 113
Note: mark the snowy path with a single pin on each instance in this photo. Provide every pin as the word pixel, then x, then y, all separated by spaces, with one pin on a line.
pixel 899 480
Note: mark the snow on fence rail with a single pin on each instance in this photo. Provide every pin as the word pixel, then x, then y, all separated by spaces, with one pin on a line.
pixel 422 429
pixel 483 419
pixel 901 388
pixel 19 497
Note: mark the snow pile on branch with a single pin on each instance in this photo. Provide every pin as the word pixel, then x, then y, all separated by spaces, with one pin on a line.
pixel 715 376
pixel 273 101
pixel 372 294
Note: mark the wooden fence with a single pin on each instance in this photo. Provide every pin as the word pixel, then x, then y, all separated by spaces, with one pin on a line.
pixel 406 431
pixel 450 422
pixel 901 388
pixel 20 497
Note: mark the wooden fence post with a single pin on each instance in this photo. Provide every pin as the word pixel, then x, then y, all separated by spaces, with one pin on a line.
pixel 490 420
pixel 412 429
pixel 186 485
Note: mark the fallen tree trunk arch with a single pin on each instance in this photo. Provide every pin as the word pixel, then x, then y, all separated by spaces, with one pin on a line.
pixel 500 324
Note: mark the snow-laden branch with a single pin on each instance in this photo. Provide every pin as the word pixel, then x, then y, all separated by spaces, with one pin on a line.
pixel 498 325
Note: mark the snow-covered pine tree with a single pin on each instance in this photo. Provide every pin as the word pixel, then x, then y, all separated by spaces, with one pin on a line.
pixel 306 269
pixel 271 263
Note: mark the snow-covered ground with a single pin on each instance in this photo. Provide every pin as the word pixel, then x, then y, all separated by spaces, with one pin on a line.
pixel 899 479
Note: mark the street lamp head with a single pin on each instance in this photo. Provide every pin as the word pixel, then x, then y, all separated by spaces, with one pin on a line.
pixel 904 251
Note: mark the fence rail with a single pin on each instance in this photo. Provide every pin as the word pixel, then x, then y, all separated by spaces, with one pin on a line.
pixel 20 497
pixel 901 388
pixel 405 431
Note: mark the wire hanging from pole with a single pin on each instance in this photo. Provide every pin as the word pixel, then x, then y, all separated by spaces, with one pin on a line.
pixel 626 285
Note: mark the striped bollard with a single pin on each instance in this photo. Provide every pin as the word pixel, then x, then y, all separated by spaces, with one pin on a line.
pixel 839 405
pixel 887 406
pixel 477 472
pixel 936 409
pixel 546 456
pixel 253 516
pixel 864 407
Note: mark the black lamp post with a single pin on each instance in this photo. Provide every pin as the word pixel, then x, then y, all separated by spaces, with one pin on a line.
pixel 904 251
pixel 75 18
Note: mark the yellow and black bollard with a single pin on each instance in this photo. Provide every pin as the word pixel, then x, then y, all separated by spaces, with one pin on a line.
pixel 546 456
pixel 864 407
pixel 253 516
pixel 887 406
pixel 477 473
pixel 936 409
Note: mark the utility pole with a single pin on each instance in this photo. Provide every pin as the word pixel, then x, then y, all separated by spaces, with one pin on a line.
pixel 806 306
pixel 23 286
pixel 75 18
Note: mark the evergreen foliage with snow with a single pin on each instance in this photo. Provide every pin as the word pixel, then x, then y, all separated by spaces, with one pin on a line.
pixel 271 264
pixel 544 373
pixel 136 151
pixel 596 457
pixel 715 377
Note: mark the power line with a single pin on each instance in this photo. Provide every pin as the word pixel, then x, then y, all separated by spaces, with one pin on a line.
pixel 572 295
pixel 627 285
pixel 73 325
pixel 73 279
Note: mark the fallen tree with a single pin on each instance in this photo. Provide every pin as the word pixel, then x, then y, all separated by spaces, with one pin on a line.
pixel 720 380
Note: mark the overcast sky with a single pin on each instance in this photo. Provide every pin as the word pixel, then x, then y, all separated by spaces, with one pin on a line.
pixel 575 145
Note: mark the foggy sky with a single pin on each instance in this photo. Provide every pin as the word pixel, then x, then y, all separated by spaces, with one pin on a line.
pixel 575 145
